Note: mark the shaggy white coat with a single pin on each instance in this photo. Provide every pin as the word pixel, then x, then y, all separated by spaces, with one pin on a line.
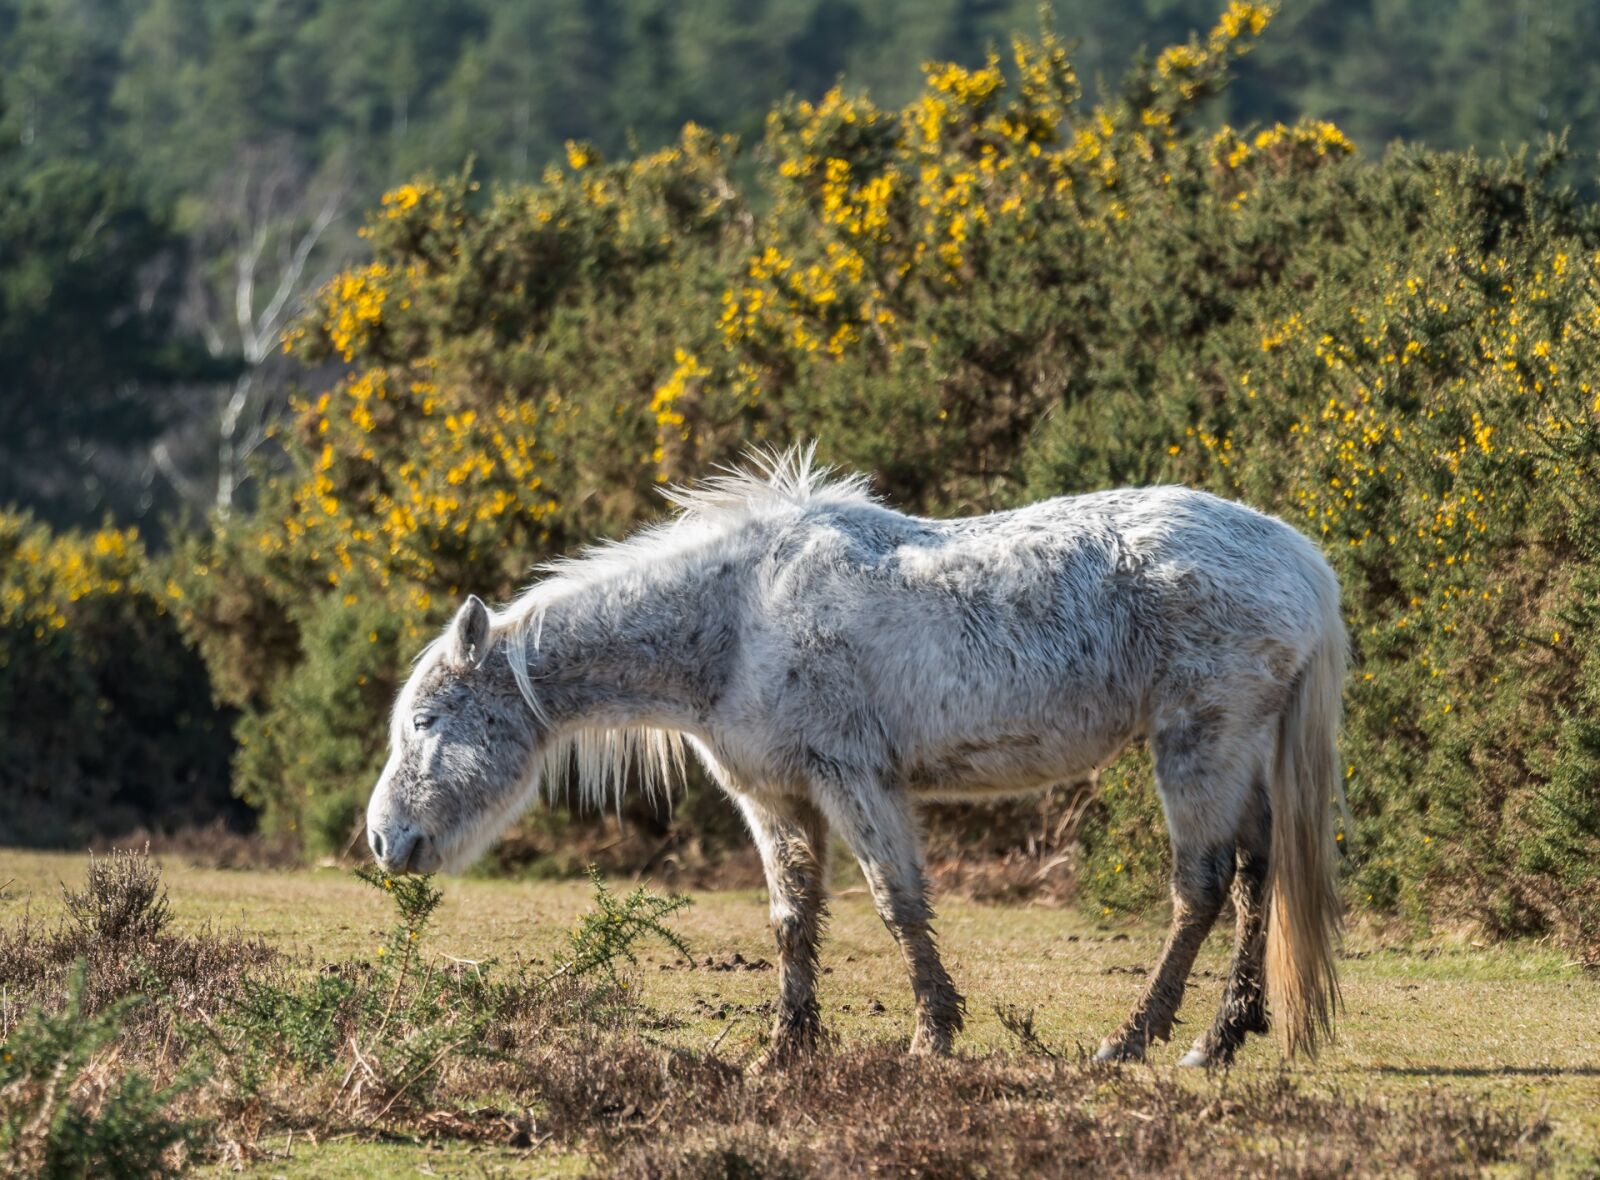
pixel 827 656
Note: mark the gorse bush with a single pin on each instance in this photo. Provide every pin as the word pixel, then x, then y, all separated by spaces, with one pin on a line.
pixel 607 934
pixel 65 1115
pixel 106 715
pixel 988 296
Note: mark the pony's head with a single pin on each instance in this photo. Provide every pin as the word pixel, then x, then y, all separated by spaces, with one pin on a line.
pixel 462 754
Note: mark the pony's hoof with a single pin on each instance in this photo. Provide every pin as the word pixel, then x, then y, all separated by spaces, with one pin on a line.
pixel 1116 1051
pixel 931 1044
pixel 782 1054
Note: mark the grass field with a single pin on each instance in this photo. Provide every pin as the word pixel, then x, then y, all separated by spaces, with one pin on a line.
pixel 1505 1029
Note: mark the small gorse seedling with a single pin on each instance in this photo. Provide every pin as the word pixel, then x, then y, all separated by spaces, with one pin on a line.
pixel 609 932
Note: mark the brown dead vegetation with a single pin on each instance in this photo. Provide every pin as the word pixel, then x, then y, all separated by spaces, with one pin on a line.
pixel 878 1111
pixel 523 1056
pixel 117 928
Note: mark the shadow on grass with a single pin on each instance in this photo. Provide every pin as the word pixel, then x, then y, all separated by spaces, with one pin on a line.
pixel 1485 1071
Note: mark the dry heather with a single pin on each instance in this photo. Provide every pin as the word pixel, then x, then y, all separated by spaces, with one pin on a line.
pixel 116 929
pixel 877 1111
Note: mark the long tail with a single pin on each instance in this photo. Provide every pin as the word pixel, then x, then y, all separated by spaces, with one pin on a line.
pixel 1305 913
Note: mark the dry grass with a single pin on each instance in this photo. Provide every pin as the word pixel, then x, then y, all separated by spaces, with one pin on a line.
pixel 1454 1058
pixel 215 845
pixel 875 1110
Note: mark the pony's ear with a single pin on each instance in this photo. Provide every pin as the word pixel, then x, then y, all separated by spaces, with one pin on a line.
pixel 469 634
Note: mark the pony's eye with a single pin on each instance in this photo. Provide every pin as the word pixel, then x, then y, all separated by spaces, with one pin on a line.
pixel 422 722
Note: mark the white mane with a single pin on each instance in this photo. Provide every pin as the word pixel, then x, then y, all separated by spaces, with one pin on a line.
pixel 780 479
pixel 603 759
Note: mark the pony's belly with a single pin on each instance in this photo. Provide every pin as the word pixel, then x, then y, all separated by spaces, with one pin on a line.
pixel 1010 765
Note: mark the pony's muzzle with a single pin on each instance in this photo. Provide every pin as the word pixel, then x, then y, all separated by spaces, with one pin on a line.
pixel 402 852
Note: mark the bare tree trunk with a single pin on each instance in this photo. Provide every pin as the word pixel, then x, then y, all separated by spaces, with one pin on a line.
pixel 272 237
pixel 228 449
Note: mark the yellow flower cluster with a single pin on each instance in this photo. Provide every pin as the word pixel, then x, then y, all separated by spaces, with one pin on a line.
pixel 1320 136
pixel 664 405
pixel 1274 151
pixel 354 307
pixel 43 575
pixel 1186 65
pixel 396 203
pixel 969 168
pixel 580 155
pixel 968 88
pixel 466 470
pixel 1180 59
pixel 1242 18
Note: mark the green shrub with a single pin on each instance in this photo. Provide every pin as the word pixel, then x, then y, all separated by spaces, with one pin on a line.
pixel 62 1117
pixel 1126 857
pixel 607 934
pixel 396 1027
pixel 106 716
pixel 394 1022
pixel 309 758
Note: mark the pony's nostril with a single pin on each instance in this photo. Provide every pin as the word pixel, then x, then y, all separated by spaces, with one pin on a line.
pixel 403 852
pixel 375 842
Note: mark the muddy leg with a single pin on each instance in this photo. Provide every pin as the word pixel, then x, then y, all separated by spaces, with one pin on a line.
pixel 1244 1006
pixel 887 845
pixel 1207 759
pixel 1199 884
pixel 792 838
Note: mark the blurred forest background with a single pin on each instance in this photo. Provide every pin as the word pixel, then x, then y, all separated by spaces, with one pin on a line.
pixel 178 175
pixel 316 315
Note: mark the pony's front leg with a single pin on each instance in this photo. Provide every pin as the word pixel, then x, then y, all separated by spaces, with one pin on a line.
pixel 877 826
pixel 792 836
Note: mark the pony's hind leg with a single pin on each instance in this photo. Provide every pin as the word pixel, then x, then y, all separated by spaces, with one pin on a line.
pixel 791 835
pixel 1204 785
pixel 1244 1007
pixel 1199 883
pixel 879 831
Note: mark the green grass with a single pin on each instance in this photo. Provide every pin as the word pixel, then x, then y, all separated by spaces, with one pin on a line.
pixel 352 1160
pixel 1511 1025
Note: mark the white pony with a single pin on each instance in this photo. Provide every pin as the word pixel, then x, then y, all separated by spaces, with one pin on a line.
pixel 831 661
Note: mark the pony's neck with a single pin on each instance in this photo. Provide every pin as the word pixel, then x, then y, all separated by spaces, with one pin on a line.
pixel 647 646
